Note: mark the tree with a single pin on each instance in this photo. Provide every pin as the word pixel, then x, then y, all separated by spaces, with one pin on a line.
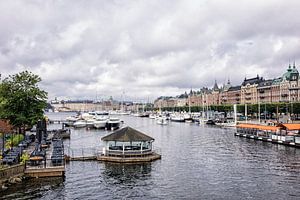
pixel 22 102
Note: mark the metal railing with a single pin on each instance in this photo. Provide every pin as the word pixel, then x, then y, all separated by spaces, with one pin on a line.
pixel 82 152
pixel 45 163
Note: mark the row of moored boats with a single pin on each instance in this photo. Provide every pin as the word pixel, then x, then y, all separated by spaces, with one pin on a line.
pixel 94 120
pixel 163 118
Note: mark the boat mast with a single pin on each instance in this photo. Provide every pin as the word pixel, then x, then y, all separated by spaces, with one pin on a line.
pixel 189 105
pixel 246 112
pixel 258 111
pixel 235 117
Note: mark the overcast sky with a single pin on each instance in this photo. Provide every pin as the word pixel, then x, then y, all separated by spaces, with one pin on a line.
pixel 145 49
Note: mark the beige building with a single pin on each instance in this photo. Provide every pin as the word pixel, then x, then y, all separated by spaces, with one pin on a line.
pixel 234 95
pixel 249 90
pixel 264 91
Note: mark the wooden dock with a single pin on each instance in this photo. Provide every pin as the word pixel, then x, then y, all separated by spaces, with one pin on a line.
pixel 81 158
pixel 266 139
pixel 45 172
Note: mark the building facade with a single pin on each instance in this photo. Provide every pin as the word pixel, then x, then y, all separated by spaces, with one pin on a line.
pixel 252 91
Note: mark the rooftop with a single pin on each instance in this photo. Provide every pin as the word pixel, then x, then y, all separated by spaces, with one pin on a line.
pixel 235 88
pixel 252 81
pixel 127 134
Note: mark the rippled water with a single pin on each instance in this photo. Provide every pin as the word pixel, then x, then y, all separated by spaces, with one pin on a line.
pixel 198 162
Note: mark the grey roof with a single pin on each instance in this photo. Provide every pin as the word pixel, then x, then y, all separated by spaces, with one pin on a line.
pixel 127 134
pixel 265 83
pixel 252 81
pixel 234 88
pixel 215 88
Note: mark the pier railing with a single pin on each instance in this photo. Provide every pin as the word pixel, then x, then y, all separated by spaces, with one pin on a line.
pixel 130 153
pixel 82 153
pixel 44 163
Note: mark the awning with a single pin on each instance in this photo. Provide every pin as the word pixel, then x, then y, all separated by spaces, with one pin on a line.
pixel 258 126
pixel 290 127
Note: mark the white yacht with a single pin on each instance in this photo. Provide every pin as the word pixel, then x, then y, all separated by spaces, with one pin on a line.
pixel 70 120
pixel 162 120
pixel 152 116
pixel 79 124
pixel 113 123
pixel 100 122
pixel 177 118
pixel 90 123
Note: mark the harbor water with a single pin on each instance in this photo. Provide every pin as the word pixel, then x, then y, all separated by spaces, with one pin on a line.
pixel 198 162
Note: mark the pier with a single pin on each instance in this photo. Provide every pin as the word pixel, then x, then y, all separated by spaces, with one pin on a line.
pixel 284 134
pixel 266 139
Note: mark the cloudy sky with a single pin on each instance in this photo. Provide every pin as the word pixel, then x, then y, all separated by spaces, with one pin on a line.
pixel 145 49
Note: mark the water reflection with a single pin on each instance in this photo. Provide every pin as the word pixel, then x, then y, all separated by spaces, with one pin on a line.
pixel 127 181
pixel 126 173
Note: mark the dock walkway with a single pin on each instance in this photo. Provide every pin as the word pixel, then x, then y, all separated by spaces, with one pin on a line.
pixel 267 139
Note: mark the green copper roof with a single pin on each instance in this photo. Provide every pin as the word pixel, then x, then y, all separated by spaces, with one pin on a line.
pixel 290 71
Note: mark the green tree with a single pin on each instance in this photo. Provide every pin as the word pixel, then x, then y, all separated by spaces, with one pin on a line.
pixel 22 101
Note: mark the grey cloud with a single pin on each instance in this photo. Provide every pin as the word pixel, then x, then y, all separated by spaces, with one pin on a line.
pixel 146 48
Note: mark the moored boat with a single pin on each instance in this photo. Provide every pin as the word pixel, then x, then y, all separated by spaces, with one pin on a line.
pixel 79 124
pixel 161 120
pixel 210 122
pixel 100 122
pixel 70 120
pixel 177 118
pixel 113 123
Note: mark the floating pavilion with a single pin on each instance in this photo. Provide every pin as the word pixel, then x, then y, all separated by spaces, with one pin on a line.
pixel 128 145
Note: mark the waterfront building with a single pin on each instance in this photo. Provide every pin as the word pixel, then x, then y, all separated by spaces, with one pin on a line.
pixel 264 91
pixel 275 90
pixel 234 95
pixel 224 93
pixel 249 90
pixel 215 95
pixel 252 91
pixel 195 99
pixel 289 85
pixel 165 102
pixel 181 102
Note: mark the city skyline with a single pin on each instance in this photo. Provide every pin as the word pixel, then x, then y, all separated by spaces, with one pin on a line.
pixel 143 50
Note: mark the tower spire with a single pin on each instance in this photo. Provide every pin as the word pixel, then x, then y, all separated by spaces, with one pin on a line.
pixel 294 64
pixel 228 82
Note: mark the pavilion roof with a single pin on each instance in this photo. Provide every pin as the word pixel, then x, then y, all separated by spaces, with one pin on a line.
pixel 127 134
pixel 290 127
pixel 258 126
